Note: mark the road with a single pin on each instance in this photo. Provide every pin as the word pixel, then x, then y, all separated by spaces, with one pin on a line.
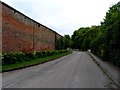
pixel 76 70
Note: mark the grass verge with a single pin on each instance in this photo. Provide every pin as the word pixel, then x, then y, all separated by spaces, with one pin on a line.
pixel 21 65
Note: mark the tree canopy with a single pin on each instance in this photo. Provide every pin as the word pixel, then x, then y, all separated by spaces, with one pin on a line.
pixel 103 40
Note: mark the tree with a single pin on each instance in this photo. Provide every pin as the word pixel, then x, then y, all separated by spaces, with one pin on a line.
pixel 68 41
pixel 112 34
pixel 103 40
pixel 60 43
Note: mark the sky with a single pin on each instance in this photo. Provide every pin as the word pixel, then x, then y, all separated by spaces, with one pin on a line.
pixel 64 16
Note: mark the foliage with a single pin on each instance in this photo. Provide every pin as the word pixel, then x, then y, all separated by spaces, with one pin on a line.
pixel 60 43
pixel 33 62
pixel 17 57
pixel 64 42
pixel 103 40
pixel 68 41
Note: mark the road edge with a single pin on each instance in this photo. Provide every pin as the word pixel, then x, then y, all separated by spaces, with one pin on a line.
pixel 34 64
pixel 104 69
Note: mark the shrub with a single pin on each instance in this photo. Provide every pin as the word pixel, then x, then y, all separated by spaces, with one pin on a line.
pixel 12 57
pixel 29 56
pixel 38 54
pixel 16 57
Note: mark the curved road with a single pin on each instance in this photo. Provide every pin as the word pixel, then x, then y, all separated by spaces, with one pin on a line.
pixel 76 70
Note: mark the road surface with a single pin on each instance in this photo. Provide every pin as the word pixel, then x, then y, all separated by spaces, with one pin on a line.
pixel 76 70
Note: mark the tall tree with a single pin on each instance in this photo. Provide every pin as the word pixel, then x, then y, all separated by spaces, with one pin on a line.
pixel 103 40
pixel 68 41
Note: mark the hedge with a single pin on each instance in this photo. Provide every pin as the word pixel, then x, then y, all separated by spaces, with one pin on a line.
pixel 17 57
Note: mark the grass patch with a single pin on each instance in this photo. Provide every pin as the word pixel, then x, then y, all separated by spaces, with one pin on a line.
pixel 32 62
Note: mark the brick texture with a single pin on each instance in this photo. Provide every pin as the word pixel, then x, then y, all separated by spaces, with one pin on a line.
pixel 21 33
pixel 0 28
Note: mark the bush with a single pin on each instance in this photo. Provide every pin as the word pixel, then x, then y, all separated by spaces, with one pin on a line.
pixel 38 55
pixel 16 57
pixel 12 57
pixel 29 56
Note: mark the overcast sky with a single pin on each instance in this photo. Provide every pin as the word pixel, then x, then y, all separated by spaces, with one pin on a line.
pixel 64 16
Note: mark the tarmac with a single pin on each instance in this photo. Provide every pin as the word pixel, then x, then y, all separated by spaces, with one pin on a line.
pixel 111 71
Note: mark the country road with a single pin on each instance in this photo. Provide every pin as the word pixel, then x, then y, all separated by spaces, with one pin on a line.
pixel 76 70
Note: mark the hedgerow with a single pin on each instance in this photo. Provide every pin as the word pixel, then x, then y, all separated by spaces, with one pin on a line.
pixel 17 57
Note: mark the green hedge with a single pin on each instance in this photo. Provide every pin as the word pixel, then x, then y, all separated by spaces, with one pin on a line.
pixel 16 57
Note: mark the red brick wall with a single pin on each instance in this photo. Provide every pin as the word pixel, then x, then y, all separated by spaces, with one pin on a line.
pixel 0 27
pixel 20 33
pixel 44 38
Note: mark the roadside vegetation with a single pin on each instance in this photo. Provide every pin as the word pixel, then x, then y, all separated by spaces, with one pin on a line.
pixel 64 43
pixel 16 60
pixel 102 40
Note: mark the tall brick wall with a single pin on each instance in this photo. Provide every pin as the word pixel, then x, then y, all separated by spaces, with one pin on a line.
pixel 0 28
pixel 20 33
pixel 44 39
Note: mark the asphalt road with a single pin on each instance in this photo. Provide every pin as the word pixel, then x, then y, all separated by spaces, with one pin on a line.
pixel 76 70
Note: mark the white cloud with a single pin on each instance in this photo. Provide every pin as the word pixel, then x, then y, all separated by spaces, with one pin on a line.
pixel 64 16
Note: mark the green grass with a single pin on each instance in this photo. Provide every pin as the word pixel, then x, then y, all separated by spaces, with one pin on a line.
pixel 32 62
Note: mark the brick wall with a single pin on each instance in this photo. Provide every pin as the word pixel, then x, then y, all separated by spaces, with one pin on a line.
pixel 0 28
pixel 21 33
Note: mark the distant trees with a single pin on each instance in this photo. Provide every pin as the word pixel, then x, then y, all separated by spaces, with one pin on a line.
pixel 64 42
pixel 82 38
pixel 60 43
pixel 103 40
pixel 68 41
